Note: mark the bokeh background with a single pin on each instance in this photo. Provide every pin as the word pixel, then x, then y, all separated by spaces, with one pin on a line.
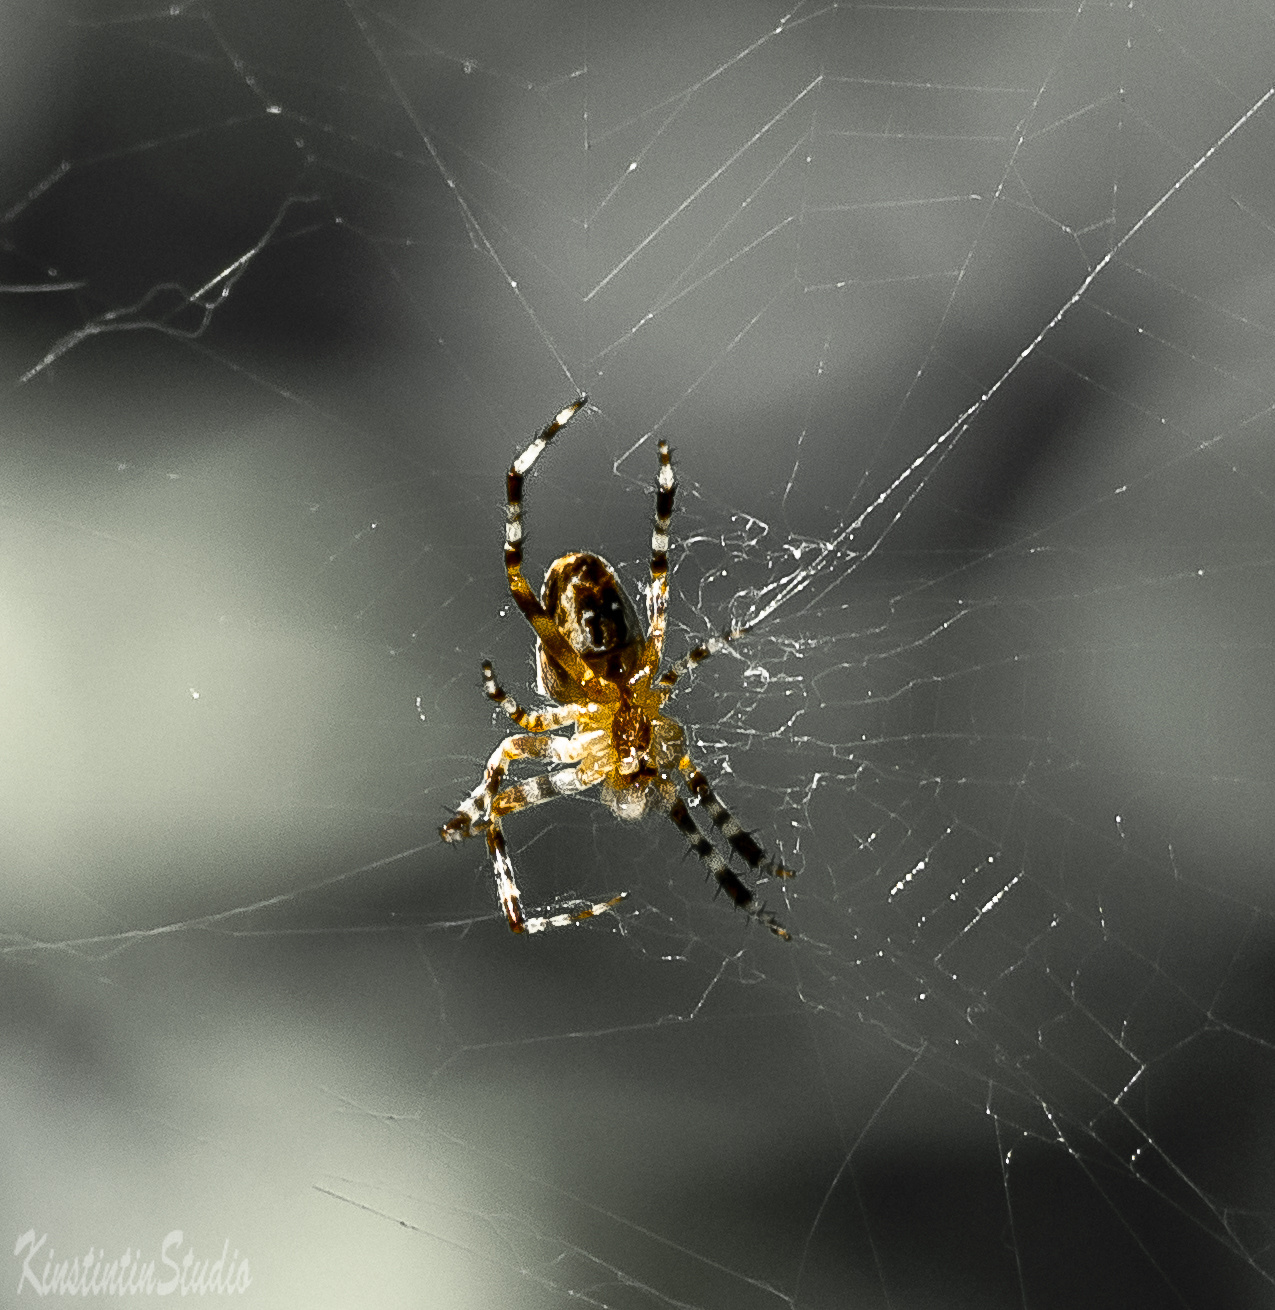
pixel 961 324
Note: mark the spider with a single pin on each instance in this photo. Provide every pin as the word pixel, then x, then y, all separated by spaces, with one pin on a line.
pixel 604 675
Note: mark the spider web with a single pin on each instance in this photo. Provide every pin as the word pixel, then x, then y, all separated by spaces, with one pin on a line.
pixel 959 319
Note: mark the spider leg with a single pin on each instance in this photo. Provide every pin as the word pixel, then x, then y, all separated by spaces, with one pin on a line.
pixel 529 720
pixel 727 880
pixel 519 588
pixel 511 898
pixel 714 645
pixel 743 843
pixel 476 807
pixel 657 608
pixel 535 791
pixel 540 788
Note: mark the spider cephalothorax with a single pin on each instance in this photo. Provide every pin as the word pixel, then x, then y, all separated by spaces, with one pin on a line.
pixel 603 672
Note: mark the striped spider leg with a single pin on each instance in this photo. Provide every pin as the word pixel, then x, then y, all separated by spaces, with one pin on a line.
pixel 742 842
pixel 486 805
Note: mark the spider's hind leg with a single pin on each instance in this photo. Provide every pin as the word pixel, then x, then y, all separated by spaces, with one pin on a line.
pixel 487 811
pixel 511 898
pixel 727 880
pixel 476 809
pixel 743 843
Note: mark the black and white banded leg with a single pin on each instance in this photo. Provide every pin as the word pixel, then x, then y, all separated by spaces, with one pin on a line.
pixel 519 588
pixel 529 720
pixel 534 791
pixel 476 808
pixel 742 842
pixel 511 898
pixel 518 470
pixel 727 880
pixel 657 597
pixel 713 646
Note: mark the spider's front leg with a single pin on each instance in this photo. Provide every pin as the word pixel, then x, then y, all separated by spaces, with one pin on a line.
pixel 657 602
pixel 519 588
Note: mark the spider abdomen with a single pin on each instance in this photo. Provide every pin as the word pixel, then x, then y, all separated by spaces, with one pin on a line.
pixel 591 609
